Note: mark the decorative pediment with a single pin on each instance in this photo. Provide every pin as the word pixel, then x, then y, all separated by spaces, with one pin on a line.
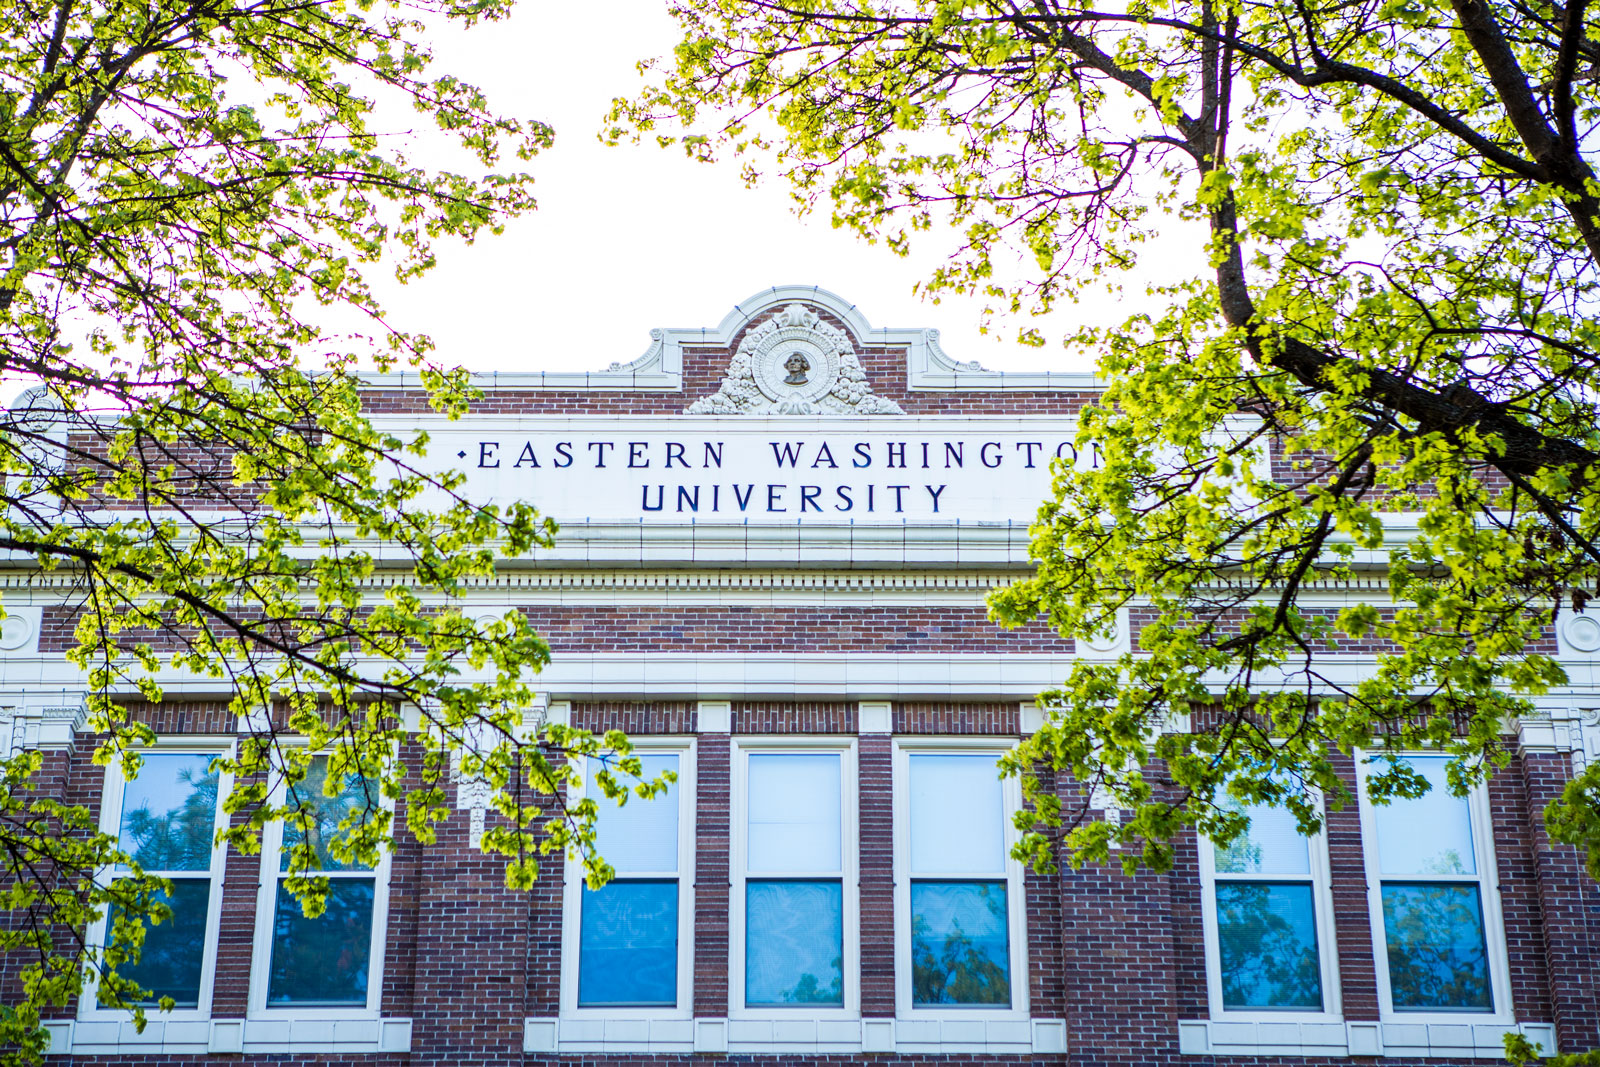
pixel 794 363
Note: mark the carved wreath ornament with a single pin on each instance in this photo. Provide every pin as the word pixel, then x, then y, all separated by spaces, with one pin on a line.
pixel 795 364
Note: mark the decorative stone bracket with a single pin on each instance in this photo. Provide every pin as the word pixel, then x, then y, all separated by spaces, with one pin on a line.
pixel 1565 729
pixel 51 726
pixel 474 793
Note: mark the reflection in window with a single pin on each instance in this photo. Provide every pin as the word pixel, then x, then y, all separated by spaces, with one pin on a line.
pixel 794 943
pixel 959 943
pixel 1437 959
pixel 1266 914
pixel 1431 890
pixel 628 929
pixel 173 952
pixel 166 826
pixel 324 961
pixel 960 933
pixel 1267 936
pixel 794 884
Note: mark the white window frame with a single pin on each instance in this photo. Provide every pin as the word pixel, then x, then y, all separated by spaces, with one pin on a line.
pixel 572 893
pixel 1488 882
pixel 1015 877
pixel 850 875
pixel 111 798
pixel 1321 880
pixel 266 904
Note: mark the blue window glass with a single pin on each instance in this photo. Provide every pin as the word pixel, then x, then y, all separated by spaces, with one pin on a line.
pixel 323 962
pixel 169 812
pixel 165 826
pixel 628 929
pixel 318 816
pixel 960 944
pixel 1437 957
pixel 629 945
pixel 794 943
pixel 170 958
pixel 1267 936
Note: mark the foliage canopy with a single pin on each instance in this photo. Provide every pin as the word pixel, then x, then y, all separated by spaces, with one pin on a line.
pixel 1367 413
pixel 188 191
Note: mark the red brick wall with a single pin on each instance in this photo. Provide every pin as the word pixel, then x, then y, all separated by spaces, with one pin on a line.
pixel 600 628
pixel 482 953
pixel 1519 898
pixel 716 628
pixel 1372 643
pixel 634 716
pixel 794 717
pixel 916 717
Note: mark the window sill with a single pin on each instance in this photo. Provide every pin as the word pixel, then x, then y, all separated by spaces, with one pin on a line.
pixel 1210 1037
pixel 782 1036
pixel 174 1037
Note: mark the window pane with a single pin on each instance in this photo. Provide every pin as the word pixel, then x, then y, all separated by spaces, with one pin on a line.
pixel 642 835
pixel 794 812
pixel 1437 960
pixel 170 960
pixel 794 943
pixel 629 944
pixel 169 813
pixel 1267 937
pixel 320 814
pixel 1272 845
pixel 960 946
pixel 957 815
pixel 323 962
pixel 1429 835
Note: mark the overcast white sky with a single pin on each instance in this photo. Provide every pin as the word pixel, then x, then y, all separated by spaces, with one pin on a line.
pixel 630 238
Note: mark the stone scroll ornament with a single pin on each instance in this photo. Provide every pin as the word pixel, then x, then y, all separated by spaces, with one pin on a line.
pixel 793 363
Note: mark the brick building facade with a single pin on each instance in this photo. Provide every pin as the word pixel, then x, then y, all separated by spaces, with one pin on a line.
pixel 776 539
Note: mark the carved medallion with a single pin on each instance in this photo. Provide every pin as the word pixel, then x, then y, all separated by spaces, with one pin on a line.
pixel 793 363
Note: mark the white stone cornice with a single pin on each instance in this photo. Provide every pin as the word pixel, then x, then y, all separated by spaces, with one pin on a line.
pixel 55 726
pixel 1566 723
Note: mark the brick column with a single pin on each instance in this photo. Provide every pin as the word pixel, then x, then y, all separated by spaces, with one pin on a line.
pixel 712 844
pixel 1569 906
pixel 874 757
pixel 241 881
pixel 69 773
pixel 1119 970
pixel 1044 928
pixel 407 871
pixel 1352 919
pixel 471 987
pixel 1119 965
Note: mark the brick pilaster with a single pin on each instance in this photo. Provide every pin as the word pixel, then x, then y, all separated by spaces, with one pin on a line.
pixel 712 843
